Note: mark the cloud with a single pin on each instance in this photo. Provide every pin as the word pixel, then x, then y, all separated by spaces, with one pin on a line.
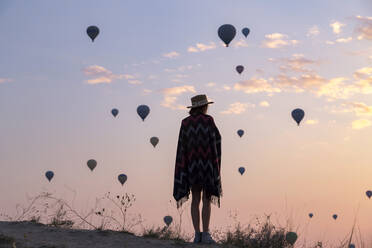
pixel 313 31
pixel 178 90
pixel 192 50
pixel 95 70
pixel 364 73
pixel 277 40
pixel 299 84
pixel 200 47
pixel 134 81
pixel 362 52
pixel 344 40
pixel 333 89
pixel 336 27
pixel 99 80
pixel 101 75
pixel 340 40
pixel 128 76
pixel 359 108
pixel 364 79
pixel 211 84
pixel 5 80
pixel 364 27
pixel 240 43
pixel 171 55
pixel 226 87
pixel 146 91
pixel 337 88
pixel 177 80
pixel 264 104
pixel 182 68
pixel 237 108
pixel 311 122
pixel 360 124
pixel 343 88
pixel 255 85
pixel 181 76
pixel 171 94
pixel 296 63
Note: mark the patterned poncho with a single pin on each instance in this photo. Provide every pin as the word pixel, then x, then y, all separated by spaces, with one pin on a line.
pixel 198 159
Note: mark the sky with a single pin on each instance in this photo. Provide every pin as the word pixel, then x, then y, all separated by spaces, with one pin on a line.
pixel 57 89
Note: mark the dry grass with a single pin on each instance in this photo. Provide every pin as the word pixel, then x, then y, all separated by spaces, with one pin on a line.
pixel 6 240
pixel 262 235
pixel 164 233
pixel 45 208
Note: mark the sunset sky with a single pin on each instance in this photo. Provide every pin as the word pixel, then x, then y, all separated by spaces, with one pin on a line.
pixel 57 89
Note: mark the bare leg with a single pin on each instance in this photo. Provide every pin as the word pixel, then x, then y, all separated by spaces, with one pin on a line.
pixel 206 213
pixel 195 215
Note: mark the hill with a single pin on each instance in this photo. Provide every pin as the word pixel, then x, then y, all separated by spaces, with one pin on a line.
pixel 29 234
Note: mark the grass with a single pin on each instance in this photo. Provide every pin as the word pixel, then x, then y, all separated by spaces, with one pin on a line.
pixel 53 211
pixel 6 240
pixel 164 233
pixel 263 235
pixel 112 216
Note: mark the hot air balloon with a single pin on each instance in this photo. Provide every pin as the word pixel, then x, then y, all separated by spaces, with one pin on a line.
pixel 92 32
pixel 122 178
pixel 240 132
pixel 227 33
pixel 291 237
pixel 114 112
pixel 92 164
pixel 298 115
pixel 154 141
pixel 241 170
pixel 334 216
pixel 369 194
pixel 239 69
pixel 143 111
pixel 49 175
pixel 245 32
pixel 168 220
pixel 311 215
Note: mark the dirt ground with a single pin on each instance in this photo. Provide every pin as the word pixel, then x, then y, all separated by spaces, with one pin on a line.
pixel 27 234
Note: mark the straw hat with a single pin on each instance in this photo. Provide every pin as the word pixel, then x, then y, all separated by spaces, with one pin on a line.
pixel 198 101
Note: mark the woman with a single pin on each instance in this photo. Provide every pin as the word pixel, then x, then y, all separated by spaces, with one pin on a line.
pixel 198 165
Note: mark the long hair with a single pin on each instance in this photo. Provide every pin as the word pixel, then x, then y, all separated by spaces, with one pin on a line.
pixel 199 110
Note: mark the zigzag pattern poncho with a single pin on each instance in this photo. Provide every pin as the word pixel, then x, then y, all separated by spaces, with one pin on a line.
pixel 198 159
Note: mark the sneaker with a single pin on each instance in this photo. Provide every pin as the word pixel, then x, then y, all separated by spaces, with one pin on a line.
pixel 207 239
pixel 197 238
